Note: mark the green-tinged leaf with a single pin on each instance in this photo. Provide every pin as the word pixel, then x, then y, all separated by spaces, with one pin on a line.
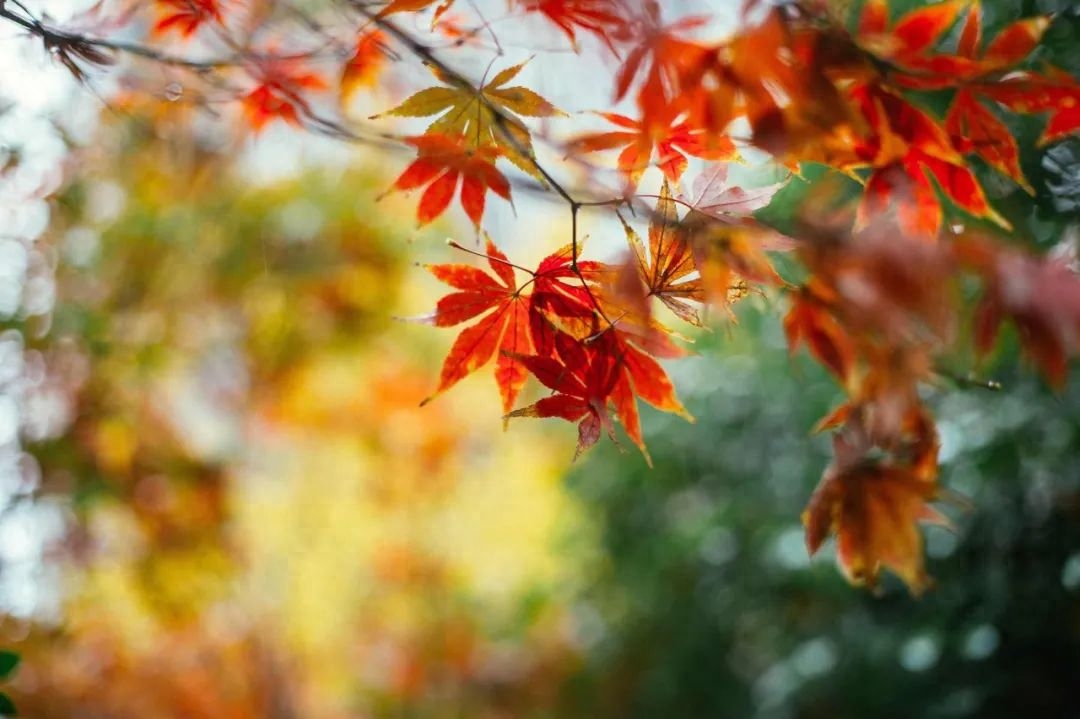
pixel 485 116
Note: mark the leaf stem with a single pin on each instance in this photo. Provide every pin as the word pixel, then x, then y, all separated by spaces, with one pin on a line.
pixel 488 257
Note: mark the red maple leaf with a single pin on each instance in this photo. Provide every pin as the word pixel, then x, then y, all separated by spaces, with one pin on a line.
pixel 1054 92
pixel 185 16
pixel 977 73
pixel 906 149
pixel 283 84
pixel 502 332
pixel 583 377
pixel 442 163
pixel 912 44
pixel 600 17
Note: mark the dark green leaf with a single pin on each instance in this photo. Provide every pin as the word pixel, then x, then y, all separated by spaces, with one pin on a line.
pixel 8 662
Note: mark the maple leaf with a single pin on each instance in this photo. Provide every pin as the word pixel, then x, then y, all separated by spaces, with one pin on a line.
pixel 565 298
pixel 670 138
pixel 906 150
pixel 667 266
pixel 600 17
pixel 396 6
pixel 363 68
pixel 1056 93
pixel 502 332
pixel 569 310
pixel 912 36
pixel 280 92
pixel 185 16
pixel 911 44
pixel 894 288
pixel 484 116
pixel 809 321
pixel 976 74
pixel 442 161
pixel 775 75
pixel 577 299
pixel 592 377
pixel 663 58
pixel 638 376
pixel 874 506
pixel 975 128
pixel 1041 297
pixel 906 189
pixel 712 197
pixel 729 256
pixel 583 379
pixel 646 376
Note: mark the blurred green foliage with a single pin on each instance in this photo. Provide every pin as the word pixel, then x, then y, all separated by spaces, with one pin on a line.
pixel 705 604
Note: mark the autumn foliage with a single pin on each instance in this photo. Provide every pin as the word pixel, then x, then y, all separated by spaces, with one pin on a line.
pixel 880 286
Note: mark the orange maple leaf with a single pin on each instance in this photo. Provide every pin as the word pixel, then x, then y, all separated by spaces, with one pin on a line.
pixel 906 149
pixel 671 139
pixel 874 507
pixel 367 61
pixel 667 265
pixel 662 57
pixel 396 6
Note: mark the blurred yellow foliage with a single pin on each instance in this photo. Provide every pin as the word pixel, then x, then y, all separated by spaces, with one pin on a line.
pixel 268 524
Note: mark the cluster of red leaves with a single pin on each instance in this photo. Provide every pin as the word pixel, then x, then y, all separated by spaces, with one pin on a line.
pixel 567 327
pixel 880 304
pixel 811 92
